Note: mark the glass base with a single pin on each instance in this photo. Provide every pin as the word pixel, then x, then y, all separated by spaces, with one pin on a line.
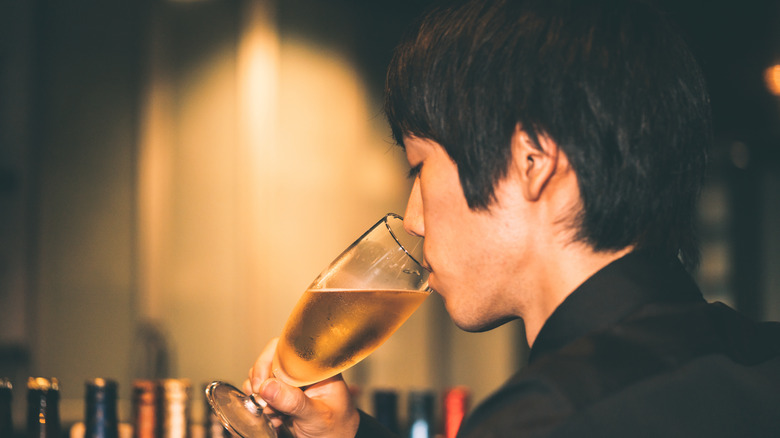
pixel 239 412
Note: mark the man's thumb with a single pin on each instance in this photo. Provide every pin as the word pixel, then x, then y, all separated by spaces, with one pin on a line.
pixel 283 398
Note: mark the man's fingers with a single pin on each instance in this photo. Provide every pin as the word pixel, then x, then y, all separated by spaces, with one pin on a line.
pixel 284 398
pixel 261 370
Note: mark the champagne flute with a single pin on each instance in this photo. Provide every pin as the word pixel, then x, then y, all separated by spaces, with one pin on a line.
pixel 347 312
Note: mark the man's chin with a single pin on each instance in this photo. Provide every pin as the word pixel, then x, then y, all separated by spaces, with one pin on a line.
pixel 481 326
pixel 472 323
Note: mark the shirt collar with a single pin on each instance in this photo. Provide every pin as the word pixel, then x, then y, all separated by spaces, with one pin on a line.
pixel 613 293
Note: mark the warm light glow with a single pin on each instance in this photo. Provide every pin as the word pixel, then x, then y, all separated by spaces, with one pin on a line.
pixel 155 181
pixel 258 162
pixel 772 78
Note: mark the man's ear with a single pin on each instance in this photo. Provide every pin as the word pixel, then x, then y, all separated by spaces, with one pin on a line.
pixel 535 162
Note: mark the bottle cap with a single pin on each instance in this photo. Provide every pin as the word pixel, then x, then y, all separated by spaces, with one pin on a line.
pixel 43 384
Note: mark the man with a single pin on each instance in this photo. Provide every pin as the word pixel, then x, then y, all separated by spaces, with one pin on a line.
pixel 557 149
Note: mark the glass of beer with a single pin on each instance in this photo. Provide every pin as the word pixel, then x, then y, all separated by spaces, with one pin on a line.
pixel 348 311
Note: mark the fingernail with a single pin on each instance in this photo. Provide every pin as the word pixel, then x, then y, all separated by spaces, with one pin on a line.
pixel 256 384
pixel 270 389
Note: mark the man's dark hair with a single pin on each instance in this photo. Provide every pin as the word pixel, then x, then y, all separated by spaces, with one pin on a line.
pixel 609 81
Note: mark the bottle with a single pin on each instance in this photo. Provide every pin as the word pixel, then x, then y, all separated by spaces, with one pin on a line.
pixel 173 413
pixel 420 414
pixel 43 412
pixel 144 407
pixel 100 412
pixel 455 406
pixel 386 408
pixel 6 419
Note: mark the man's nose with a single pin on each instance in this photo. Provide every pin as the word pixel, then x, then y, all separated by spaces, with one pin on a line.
pixel 413 217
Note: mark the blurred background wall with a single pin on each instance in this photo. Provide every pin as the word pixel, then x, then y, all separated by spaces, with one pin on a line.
pixel 173 174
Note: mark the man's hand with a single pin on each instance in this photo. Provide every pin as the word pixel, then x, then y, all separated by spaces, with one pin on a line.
pixel 324 409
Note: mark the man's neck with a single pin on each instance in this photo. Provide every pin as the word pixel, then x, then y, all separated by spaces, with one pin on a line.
pixel 559 277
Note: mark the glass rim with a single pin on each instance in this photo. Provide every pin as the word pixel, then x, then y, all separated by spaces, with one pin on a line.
pixel 401 245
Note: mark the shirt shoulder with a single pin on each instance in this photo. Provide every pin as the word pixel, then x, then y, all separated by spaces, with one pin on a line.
pixel 524 406
pixel 665 368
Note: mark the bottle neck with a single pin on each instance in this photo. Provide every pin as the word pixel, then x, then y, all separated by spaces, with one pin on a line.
pixel 43 414
pixel 101 410
pixel 6 421
pixel 144 409
pixel 386 409
pixel 173 408
pixel 420 414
